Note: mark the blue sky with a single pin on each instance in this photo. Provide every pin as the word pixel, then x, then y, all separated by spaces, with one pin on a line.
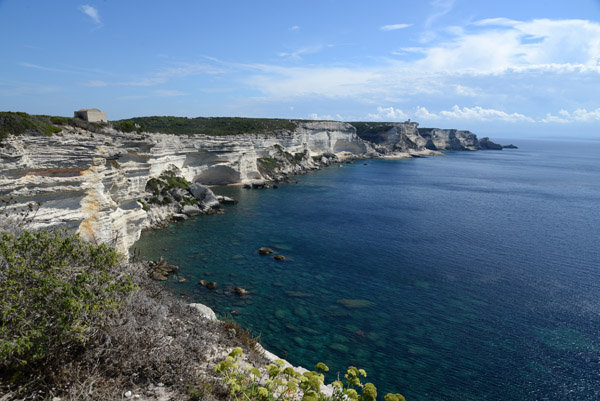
pixel 492 67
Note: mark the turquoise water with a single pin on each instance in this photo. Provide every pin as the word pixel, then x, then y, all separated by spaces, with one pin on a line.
pixel 467 277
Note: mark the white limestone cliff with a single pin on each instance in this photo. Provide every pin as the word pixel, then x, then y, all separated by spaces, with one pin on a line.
pixel 91 182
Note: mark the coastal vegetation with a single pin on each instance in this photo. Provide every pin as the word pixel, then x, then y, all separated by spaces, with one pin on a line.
pixel 78 321
pixel 17 123
pixel 278 382
pixel 209 125
pixel 165 188
pixel 370 128
pixel 57 291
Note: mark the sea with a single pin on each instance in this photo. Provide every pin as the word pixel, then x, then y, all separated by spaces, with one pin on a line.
pixel 472 276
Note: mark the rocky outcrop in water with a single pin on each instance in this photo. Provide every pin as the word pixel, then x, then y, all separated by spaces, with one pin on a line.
pixel 109 185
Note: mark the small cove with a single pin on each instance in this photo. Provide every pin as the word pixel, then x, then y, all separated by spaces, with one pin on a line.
pixel 471 276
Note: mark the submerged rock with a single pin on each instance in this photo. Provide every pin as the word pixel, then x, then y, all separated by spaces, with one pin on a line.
pixel 240 291
pixel 279 257
pixel 339 348
pixel 211 285
pixel 265 251
pixel 298 294
pixel 355 303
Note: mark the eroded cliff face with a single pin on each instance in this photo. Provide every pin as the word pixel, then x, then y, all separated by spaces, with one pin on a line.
pixel 449 139
pixel 92 182
pixel 390 138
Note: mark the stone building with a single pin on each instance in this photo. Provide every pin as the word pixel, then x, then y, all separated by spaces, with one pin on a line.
pixel 91 115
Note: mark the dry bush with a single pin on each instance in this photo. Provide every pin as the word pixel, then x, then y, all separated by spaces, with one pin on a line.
pixel 155 338
pixel 149 337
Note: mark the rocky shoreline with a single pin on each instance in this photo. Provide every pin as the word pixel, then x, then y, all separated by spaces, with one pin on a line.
pixel 100 183
pixel 109 185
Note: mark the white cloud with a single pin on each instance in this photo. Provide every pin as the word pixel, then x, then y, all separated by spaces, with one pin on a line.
pixel 554 119
pixel 91 12
pixel 462 90
pixel 442 7
pixel 480 114
pixel 496 46
pixel 584 115
pixel 423 113
pixel 297 54
pixel 394 27
pixel 284 82
pixel 315 116
pixel 579 115
pixel 388 114
pixel 505 54
pixel 294 28
pixel 476 113
pixel 41 67
pixel 169 93
pixel 136 82
pixel 181 70
pixel 26 89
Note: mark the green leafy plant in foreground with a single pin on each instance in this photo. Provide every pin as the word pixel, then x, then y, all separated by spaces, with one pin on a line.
pixel 56 291
pixel 276 382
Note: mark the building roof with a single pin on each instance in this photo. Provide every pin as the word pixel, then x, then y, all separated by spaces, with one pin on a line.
pixel 89 110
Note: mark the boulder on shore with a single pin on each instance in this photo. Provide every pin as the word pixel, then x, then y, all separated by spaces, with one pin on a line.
pixel 204 195
pixel 226 200
pixel 191 210
pixel 205 311
pixel 160 269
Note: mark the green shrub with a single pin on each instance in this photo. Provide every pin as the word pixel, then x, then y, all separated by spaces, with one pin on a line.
pixel 299 156
pixel 268 162
pixel 17 123
pixel 276 382
pixel 210 125
pixel 61 120
pixel 144 205
pixel 128 126
pixel 56 291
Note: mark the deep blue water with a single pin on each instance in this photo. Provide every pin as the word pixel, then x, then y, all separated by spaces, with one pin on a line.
pixel 477 274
